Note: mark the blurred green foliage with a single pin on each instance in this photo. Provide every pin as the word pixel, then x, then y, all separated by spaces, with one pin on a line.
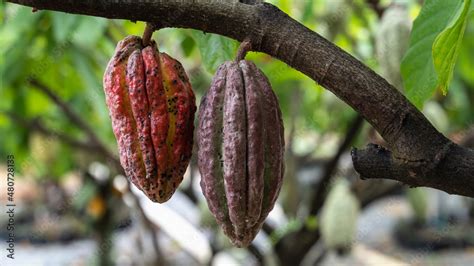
pixel 68 53
pixel 434 48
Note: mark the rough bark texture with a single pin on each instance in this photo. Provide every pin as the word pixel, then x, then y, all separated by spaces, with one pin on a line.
pixel 420 155
pixel 240 149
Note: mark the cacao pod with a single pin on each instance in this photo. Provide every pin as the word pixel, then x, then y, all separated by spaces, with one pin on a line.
pixel 339 217
pixel 240 149
pixel 418 200
pixel 335 17
pixel 392 42
pixel 151 105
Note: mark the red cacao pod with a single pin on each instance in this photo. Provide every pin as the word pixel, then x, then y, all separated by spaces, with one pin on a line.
pixel 151 105
pixel 241 146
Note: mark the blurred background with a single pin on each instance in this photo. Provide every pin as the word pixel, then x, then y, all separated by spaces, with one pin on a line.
pixel 75 207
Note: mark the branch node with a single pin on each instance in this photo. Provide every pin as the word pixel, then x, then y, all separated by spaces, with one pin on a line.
pixel 326 69
pixel 295 52
pixel 440 155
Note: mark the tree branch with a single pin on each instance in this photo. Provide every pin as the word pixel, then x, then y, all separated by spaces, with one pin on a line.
pixel 37 125
pixel 75 118
pixel 420 155
pixel 94 145
pixel 375 5
pixel 306 237
pixel 331 166
pixel 452 174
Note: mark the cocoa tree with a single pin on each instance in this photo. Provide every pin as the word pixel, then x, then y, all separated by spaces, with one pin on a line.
pixel 417 154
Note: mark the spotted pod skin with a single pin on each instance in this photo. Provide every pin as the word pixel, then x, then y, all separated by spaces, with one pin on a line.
pixel 152 106
pixel 241 146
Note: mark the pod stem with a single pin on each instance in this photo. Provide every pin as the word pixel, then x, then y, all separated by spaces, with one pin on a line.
pixel 149 29
pixel 244 48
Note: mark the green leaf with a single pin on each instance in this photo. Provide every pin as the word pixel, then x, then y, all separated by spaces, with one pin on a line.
pixel 188 44
pixel 215 49
pixel 89 31
pixel 446 49
pixel 465 65
pixel 418 71
pixel 17 35
pixel 308 11
pixel 63 26
pixel 283 5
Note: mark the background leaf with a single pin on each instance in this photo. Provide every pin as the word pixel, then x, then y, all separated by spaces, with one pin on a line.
pixel 215 49
pixel 89 30
pixel 446 49
pixel 418 71
pixel 63 25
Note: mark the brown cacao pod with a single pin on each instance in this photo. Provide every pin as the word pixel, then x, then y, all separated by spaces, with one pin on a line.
pixel 151 105
pixel 241 146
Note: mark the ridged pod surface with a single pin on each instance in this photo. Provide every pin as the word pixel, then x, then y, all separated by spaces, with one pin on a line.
pixel 151 105
pixel 241 146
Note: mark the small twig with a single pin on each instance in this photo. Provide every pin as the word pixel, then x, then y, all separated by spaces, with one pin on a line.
pixel 244 48
pixel 65 107
pixel 149 29
pixel 99 146
pixel 375 5
pixel 74 117
pixel 320 193
pixel 268 228
pixel 286 249
pixel 257 254
pixel 36 125
pixel 149 225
